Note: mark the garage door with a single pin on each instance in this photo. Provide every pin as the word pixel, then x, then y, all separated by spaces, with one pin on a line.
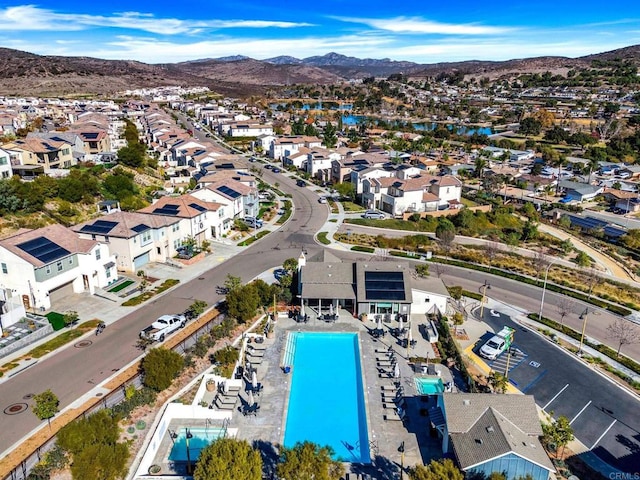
pixel 60 293
pixel 140 261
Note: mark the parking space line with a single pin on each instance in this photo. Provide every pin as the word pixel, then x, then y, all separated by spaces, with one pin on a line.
pixel 583 409
pixel 534 381
pixel 603 434
pixel 557 395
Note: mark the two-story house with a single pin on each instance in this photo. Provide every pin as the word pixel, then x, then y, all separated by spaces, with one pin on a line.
pixel 289 145
pixel 240 199
pixel 424 193
pixel 5 165
pixel 47 153
pixel 135 238
pixel 199 219
pixel 45 265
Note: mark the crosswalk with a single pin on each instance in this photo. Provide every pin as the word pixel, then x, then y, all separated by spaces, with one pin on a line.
pixel 500 363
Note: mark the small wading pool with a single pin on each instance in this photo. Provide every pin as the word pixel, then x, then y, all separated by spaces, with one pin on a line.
pixel 429 386
pixel 202 437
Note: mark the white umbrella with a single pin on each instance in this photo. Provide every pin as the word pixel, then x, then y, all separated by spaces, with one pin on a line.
pixel 331 309
pixel 254 380
pixel 224 388
pixel 396 371
pixel 301 309
pixel 409 338
pixel 251 400
pixel 379 322
pixel 400 325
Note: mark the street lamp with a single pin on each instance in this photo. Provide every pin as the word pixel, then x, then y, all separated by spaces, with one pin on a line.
pixel 510 351
pixel 544 288
pixel 583 317
pixel 486 286
pixel 401 450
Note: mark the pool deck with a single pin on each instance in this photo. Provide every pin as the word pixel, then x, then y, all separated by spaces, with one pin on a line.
pixel 266 428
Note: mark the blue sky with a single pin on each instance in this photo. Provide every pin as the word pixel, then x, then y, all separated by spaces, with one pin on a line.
pixel 420 31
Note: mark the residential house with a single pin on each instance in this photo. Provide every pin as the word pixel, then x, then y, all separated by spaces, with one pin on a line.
pixel 319 163
pixel 94 140
pixel 286 146
pixel 342 168
pixel 199 219
pixel 359 176
pixel 579 192
pixel 46 265
pixel 5 165
pixel 135 238
pixel 244 129
pixel 47 153
pixel 492 433
pixel 425 193
pixel 239 200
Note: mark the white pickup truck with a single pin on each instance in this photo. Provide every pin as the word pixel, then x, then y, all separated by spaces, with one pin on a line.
pixel 163 326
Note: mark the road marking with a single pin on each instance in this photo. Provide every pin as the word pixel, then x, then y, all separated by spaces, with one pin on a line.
pixel 583 409
pixel 534 364
pixel 603 434
pixel 557 395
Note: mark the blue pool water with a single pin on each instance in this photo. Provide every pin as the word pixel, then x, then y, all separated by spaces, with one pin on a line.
pixel 202 437
pixel 326 402
pixel 429 386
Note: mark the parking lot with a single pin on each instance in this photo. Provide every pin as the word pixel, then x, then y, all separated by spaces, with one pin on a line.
pixel 604 416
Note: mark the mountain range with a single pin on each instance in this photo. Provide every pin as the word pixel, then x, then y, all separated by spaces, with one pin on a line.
pixel 23 73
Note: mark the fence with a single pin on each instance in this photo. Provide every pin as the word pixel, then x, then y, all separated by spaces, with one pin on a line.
pixel 19 465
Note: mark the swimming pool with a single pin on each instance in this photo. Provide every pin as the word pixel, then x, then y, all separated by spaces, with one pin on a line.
pixel 429 386
pixel 202 437
pixel 326 401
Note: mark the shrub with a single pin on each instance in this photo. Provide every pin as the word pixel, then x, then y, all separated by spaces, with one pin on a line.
pixel 359 248
pixel 160 367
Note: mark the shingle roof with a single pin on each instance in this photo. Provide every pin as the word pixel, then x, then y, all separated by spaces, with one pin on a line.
pixel 183 206
pixel 464 409
pixel 126 222
pixel 492 436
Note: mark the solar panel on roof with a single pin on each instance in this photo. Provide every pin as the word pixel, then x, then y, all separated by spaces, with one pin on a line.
pixel 228 191
pixel 140 228
pixel 43 249
pixel 165 211
pixel 200 208
pixel 99 227
pixel 384 286
pixel 90 135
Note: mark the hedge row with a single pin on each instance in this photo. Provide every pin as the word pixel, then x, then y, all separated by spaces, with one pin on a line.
pixel 360 248
pixel 604 349
pixel 449 349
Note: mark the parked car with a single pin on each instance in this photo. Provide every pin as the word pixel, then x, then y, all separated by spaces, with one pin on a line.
pixel 253 222
pixel 163 326
pixel 276 170
pixel 268 166
pixel 301 183
pixel 373 214
pixel 278 273
pixel 322 200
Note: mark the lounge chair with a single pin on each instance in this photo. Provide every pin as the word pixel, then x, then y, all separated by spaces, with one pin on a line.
pixel 392 416
pixel 253 346
pixel 384 358
pixel 255 354
pixel 388 388
pixel 392 398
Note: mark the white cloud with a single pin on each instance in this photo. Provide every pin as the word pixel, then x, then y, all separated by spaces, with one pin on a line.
pixel 416 25
pixel 33 18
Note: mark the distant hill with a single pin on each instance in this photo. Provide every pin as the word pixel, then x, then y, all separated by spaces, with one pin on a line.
pixel 23 73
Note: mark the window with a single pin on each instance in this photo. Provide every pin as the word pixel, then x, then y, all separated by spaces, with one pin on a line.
pixel 59 265
pixel 4 268
pixel 98 254
pixel 70 260
pixel 65 151
pixel 3 160
pixel 48 269
pixel 175 227
pixel 109 273
pixel 5 174
pixel 146 236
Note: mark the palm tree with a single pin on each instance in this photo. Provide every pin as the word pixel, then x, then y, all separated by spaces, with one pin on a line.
pixel 480 163
pixel 593 165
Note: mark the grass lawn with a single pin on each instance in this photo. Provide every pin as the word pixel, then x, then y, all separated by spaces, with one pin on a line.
pixel 392 223
pixel 250 240
pixel 352 207
pixel 467 203
pixel 322 238
pixel 62 339
pixel 122 286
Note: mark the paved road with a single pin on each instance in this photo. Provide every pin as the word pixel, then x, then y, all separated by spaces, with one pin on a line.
pixel 603 416
pixel 73 372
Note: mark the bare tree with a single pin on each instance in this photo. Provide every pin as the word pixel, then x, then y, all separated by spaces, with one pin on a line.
pixel 539 261
pixel 439 269
pixel 609 128
pixel 592 280
pixel 624 332
pixel 491 251
pixel 564 307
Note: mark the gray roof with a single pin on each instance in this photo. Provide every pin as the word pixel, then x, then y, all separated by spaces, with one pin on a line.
pixel 464 409
pixel 327 280
pixel 324 255
pixel 432 285
pixel 493 436
pixel 581 188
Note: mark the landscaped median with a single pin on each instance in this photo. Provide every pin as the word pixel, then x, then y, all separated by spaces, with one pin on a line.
pixel 166 285
pixel 253 238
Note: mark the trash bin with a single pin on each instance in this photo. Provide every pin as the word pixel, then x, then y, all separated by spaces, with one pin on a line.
pixel 287 369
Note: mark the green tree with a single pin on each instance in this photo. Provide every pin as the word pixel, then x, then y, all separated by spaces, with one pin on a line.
pixel 119 185
pixel 582 259
pixel 229 459
pixel 558 432
pixel 243 303
pixel 93 445
pixel 308 461
pixel 290 264
pixel 232 283
pixel 530 126
pixel 160 366
pixel 330 139
pixel 436 470
pixel 498 382
pixel 346 190
pixel 529 231
pixel 45 405
pixel 132 155
pixel 445 231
